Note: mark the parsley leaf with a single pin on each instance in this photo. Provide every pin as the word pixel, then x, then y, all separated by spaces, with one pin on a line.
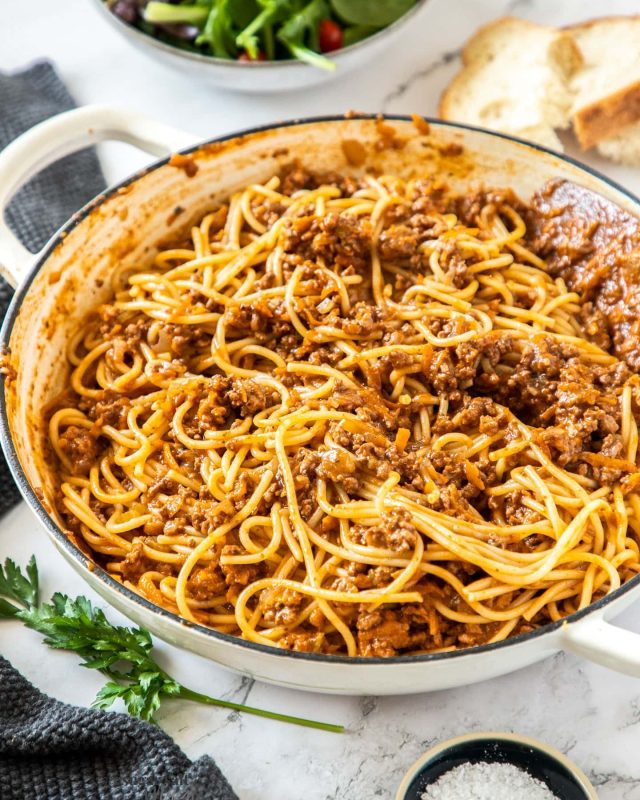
pixel 22 589
pixel 123 655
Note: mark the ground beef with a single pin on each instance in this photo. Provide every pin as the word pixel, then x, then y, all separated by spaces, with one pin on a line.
pixel 474 412
pixel 617 303
pixel 238 576
pixel 213 410
pixel 249 396
pixel 336 466
pixel 343 241
pixel 467 207
pixel 365 321
pixel 266 319
pixel 595 246
pixel 136 563
pixel 395 532
pixel 106 408
pixel 512 509
pixel 206 583
pixel 280 606
pixel 610 464
pixel 451 369
pixel 81 447
pixel 304 642
pixel 185 341
pixel 570 401
pixel 387 632
pixel 399 242
pixel 294 177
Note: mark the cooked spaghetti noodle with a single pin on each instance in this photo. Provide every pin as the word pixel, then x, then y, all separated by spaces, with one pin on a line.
pixel 353 416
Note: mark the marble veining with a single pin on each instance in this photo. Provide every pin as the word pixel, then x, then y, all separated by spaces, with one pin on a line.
pixel 585 710
pixel 402 88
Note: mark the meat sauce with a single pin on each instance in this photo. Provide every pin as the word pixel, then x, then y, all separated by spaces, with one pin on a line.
pixel 593 245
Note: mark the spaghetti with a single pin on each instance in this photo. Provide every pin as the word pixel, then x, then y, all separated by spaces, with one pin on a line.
pixel 352 416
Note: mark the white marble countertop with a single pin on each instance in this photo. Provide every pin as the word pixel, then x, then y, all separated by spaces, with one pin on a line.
pixel 588 712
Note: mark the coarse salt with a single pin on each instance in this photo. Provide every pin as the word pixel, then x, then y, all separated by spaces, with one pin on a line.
pixel 488 781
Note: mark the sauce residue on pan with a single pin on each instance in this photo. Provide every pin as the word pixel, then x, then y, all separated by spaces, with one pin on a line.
pixel 185 163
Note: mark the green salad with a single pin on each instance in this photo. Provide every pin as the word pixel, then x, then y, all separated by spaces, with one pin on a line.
pixel 262 30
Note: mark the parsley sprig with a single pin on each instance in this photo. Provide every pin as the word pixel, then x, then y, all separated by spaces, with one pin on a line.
pixel 122 654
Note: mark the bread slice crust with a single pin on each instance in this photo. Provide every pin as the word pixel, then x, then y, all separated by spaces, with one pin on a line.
pixel 609 114
pixel 603 118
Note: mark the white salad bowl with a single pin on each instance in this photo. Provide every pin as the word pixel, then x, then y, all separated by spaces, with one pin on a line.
pixel 263 76
pixel 127 224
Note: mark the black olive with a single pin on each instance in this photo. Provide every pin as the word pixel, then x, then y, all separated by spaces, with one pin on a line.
pixel 181 30
pixel 127 10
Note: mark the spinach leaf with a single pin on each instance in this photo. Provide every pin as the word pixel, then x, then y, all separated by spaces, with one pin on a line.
pixel 217 31
pixel 356 33
pixel 242 12
pixel 376 13
pixel 303 27
pixel 273 11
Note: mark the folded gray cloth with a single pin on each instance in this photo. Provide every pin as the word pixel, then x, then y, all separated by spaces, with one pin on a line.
pixel 50 198
pixel 52 751
pixel 9 494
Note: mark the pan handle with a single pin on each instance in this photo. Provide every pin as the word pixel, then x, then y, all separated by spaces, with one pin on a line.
pixel 57 137
pixel 605 644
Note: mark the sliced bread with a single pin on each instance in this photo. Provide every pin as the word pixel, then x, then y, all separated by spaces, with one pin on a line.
pixel 515 79
pixel 607 86
pixel 623 147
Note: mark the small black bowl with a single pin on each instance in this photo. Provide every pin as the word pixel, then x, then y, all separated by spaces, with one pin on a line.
pixel 553 768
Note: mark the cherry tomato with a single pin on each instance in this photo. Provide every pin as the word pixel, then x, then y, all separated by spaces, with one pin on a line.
pixel 330 35
pixel 244 56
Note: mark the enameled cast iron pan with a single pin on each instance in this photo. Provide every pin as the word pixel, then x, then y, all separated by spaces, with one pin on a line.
pixel 56 287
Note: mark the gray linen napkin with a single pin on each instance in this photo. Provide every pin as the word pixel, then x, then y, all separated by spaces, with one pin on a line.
pixel 50 750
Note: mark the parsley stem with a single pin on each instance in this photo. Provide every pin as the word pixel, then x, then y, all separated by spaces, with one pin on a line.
pixel 121 654
pixel 189 694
